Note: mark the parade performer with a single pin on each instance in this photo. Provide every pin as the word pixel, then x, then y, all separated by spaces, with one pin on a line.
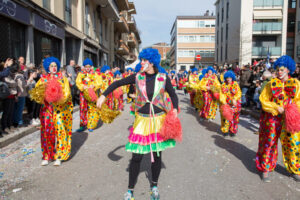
pixel 230 104
pixel 173 79
pixel 193 81
pixel 118 93
pixel 147 135
pixel 280 101
pixel 88 82
pixel 54 93
pixel 198 99
pixel 210 87
pixel 107 79
pixel 129 71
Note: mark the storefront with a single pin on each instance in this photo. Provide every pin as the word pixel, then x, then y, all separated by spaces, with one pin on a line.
pixel 13 21
pixel 48 38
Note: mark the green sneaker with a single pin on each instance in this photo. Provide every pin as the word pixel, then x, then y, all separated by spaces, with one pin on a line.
pixel 81 129
pixel 154 194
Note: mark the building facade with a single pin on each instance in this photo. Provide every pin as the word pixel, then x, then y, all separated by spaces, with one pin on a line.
pixel 250 30
pixel 163 48
pixel 192 36
pixel 66 29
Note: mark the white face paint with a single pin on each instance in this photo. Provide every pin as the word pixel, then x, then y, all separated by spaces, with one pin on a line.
pixel 146 65
pixel 283 75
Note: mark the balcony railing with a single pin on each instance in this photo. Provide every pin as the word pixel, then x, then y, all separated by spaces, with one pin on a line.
pixel 267 26
pixel 263 51
pixel 267 3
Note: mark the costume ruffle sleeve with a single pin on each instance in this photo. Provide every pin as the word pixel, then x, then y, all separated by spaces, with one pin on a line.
pixel 66 91
pixel 297 95
pixel 79 82
pixel 38 92
pixel 203 84
pixel 265 99
pixel 238 94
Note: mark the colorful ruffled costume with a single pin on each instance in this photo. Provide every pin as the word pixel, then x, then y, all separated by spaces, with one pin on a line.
pixel 192 83
pixel 210 103
pixel 273 124
pixel 107 78
pixel 89 115
pixel 56 118
pixel 228 93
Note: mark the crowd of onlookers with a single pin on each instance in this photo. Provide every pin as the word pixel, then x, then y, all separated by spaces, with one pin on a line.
pixel 16 80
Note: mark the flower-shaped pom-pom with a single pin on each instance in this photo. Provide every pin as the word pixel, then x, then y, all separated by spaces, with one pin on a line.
pixel 92 94
pixel 53 92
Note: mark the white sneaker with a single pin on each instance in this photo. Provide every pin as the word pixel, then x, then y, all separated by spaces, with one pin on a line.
pixel 31 122
pixel 57 163
pixel 37 120
pixel 45 162
pixel 34 122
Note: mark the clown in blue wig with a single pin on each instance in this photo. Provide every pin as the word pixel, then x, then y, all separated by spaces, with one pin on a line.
pixel 230 104
pixel 194 70
pixel 51 60
pixel 88 82
pixel 209 86
pixel 105 68
pixel 117 74
pixel 280 100
pixel 150 55
pixel 53 92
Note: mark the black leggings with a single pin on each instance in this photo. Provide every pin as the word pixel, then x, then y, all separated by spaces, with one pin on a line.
pixel 134 169
pixel 8 113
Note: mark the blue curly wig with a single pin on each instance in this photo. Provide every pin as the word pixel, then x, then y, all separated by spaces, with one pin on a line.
pixel 201 77
pixel 105 68
pixel 212 69
pixel 162 70
pixel 88 61
pixel 173 72
pixel 230 74
pixel 48 61
pixel 129 69
pixel 152 55
pixel 285 61
pixel 117 73
pixel 137 68
pixel 194 70
pixel 185 72
pixel 203 72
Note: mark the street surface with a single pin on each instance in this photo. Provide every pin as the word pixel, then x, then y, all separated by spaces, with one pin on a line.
pixel 204 166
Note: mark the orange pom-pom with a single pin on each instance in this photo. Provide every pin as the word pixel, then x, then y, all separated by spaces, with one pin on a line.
pixel 216 95
pixel 53 92
pixel 171 128
pixel 92 94
pixel 292 117
pixel 227 112
pixel 117 92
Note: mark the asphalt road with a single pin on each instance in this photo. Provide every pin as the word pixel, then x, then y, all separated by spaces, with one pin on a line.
pixel 204 166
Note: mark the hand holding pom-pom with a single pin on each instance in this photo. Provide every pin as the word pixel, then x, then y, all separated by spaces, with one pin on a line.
pixel 92 94
pixel 53 92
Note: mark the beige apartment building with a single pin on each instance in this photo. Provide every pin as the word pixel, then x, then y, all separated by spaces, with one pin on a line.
pixel 103 30
pixel 192 36
pixel 251 30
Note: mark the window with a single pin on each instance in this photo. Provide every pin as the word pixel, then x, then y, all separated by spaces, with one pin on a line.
pixel 217 37
pixel 292 3
pixel 196 38
pixel 87 26
pixel 226 51
pixel 221 53
pixel 217 57
pixel 222 35
pixel 222 15
pixel 196 23
pixel 106 31
pixel 68 11
pixel 46 4
pixel 100 30
pixel 183 67
pixel 226 32
pixel 227 11
pixel 218 19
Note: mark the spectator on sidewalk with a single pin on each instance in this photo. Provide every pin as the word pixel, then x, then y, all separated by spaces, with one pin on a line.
pixel 256 94
pixel 33 107
pixel 72 75
pixel 245 83
pixel 21 61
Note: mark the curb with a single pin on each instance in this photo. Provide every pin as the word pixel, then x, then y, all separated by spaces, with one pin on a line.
pixel 12 137
pixel 254 114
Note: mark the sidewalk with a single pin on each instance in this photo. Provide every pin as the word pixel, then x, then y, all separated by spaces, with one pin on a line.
pixel 22 132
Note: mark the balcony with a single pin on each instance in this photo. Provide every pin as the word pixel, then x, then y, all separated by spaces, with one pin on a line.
pixel 110 10
pixel 131 57
pixel 267 3
pixel 132 24
pixel 263 51
pixel 132 7
pixel 132 42
pixel 123 49
pixel 122 24
pixel 267 28
pixel 122 4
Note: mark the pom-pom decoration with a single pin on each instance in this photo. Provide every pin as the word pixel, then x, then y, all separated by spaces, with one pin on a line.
pixel 292 117
pixel 53 92
pixel 107 115
pixel 118 92
pixel 227 112
pixel 171 128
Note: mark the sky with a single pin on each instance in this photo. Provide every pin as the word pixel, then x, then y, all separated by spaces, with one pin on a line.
pixel 155 18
